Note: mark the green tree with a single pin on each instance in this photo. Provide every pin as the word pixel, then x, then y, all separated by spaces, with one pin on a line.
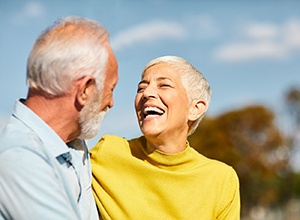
pixel 292 99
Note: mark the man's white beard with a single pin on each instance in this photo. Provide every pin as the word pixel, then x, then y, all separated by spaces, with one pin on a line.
pixel 89 117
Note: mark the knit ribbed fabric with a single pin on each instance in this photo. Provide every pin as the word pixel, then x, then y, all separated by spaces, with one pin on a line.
pixel 133 181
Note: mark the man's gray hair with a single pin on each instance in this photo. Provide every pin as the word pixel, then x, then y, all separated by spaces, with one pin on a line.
pixel 193 81
pixel 71 48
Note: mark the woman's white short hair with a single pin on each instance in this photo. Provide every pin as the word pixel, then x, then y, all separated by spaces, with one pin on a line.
pixel 71 48
pixel 193 81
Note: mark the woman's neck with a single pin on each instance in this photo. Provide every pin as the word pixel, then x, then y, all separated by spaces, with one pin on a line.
pixel 167 146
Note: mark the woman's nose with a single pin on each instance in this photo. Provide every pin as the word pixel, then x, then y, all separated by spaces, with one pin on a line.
pixel 149 92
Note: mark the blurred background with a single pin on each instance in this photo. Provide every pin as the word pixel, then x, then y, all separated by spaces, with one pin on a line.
pixel 249 51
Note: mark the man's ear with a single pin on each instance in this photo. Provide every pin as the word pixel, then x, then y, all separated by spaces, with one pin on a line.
pixel 196 109
pixel 85 89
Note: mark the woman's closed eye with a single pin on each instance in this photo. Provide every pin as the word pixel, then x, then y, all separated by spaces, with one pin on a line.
pixel 165 85
pixel 140 88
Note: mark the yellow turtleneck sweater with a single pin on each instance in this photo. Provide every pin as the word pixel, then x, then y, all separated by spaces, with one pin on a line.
pixel 133 181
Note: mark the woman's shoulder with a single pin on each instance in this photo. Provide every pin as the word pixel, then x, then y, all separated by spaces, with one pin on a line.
pixel 115 143
pixel 115 138
pixel 107 143
pixel 212 164
pixel 110 141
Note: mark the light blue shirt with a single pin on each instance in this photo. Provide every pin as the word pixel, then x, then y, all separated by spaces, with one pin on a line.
pixel 40 176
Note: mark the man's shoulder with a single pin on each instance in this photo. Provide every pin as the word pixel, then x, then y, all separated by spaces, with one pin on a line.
pixel 15 134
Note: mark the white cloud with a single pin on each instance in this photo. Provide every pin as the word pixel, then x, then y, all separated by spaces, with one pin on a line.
pixel 262 31
pixel 250 51
pixel 263 41
pixel 148 32
pixel 31 10
pixel 193 26
pixel 292 36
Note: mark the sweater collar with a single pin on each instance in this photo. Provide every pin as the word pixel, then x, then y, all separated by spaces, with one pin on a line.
pixel 184 160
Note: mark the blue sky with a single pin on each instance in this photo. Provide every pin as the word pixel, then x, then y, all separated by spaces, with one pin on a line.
pixel 248 50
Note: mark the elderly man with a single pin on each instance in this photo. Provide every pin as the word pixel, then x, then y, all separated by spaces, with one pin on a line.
pixel 44 163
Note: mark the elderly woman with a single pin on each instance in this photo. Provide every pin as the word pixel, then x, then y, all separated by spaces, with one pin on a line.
pixel 159 175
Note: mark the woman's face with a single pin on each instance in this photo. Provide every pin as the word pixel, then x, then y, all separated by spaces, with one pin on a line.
pixel 161 103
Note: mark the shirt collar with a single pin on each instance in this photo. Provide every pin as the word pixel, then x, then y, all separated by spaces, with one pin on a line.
pixel 52 141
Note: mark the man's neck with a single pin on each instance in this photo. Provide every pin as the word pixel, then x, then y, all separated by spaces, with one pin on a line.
pixel 58 112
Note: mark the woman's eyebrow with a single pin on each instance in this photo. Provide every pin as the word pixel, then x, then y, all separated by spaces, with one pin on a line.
pixel 163 78
pixel 143 81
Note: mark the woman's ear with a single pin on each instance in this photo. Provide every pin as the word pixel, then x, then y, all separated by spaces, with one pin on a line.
pixel 196 109
pixel 85 89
